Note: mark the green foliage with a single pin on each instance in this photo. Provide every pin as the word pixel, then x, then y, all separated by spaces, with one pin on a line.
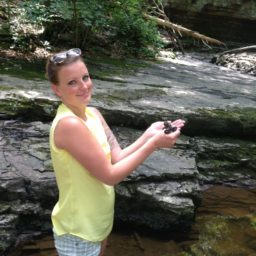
pixel 26 24
pixel 253 220
pixel 131 32
pixel 84 23
pixel 213 231
pixel 35 12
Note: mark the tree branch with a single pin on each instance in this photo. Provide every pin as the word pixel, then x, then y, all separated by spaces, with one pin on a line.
pixel 181 30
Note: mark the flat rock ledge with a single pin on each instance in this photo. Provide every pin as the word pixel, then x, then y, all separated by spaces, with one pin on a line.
pixel 217 145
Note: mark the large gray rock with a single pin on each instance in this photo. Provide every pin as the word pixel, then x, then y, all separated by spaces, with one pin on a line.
pixel 215 101
pixel 164 192
pixel 161 195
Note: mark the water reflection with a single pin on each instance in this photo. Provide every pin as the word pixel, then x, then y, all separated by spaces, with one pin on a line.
pixel 225 224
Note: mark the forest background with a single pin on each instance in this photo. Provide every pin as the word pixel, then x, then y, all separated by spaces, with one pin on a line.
pixel 116 28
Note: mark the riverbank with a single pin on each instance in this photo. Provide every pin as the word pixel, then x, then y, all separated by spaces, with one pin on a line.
pixel 242 59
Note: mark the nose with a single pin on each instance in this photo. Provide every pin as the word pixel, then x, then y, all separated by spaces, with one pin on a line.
pixel 83 84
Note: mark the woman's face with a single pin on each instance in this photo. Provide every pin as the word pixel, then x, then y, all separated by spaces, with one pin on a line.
pixel 75 85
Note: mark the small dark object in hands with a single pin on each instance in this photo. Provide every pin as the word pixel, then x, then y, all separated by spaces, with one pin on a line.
pixel 168 128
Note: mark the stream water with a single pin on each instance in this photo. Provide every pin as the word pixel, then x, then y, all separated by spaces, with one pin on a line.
pixel 222 227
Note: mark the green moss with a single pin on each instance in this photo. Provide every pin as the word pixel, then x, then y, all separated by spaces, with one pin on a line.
pixel 232 113
pixel 6 88
pixel 239 122
pixel 212 232
pixel 253 220
pixel 105 68
pixel 117 62
pixel 4 207
pixel 223 235
pixel 28 108
pixel 121 96
pixel 100 67
pixel 23 69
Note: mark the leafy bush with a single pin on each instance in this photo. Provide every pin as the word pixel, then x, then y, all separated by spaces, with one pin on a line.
pixel 136 36
pixel 26 24
pixel 119 23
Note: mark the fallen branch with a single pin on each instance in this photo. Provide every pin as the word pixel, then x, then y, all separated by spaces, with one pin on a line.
pixel 181 30
pixel 137 238
pixel 251 48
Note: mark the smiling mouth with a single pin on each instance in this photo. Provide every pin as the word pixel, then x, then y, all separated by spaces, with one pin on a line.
pixel 85 94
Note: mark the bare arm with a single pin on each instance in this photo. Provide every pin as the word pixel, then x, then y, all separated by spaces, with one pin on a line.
pixel 85 148
pixel 116 152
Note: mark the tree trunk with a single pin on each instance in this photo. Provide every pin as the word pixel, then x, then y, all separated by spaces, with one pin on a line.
pixel 182 30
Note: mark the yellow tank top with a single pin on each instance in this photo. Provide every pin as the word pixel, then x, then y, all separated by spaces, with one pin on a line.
pixel 86 205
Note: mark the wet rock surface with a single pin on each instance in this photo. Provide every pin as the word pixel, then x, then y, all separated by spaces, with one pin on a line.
pixel 223 226
pixel 162 194
pixel 225 222
pixel 217 145
pixel 164 188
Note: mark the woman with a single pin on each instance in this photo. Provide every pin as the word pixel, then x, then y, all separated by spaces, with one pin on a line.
pixel 88 160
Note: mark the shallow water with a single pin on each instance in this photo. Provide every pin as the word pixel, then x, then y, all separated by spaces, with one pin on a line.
pixel 224 222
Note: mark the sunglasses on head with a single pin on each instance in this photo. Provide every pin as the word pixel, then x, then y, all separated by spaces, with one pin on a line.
pixel 62 56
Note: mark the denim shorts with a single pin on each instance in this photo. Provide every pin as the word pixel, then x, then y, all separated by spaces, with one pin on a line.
pixel 69 245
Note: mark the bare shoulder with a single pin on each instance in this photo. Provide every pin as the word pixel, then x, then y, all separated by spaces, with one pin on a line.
pixel 64 134
pixel 69 122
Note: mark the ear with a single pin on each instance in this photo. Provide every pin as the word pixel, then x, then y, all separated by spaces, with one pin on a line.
pixel 55 89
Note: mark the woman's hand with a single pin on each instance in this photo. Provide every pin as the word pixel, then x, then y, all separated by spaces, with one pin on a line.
pixel 179 123
pixel 163 140
pixel 153 129
pixel 159 126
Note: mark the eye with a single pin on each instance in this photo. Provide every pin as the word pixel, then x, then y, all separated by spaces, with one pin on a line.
pixel 72 83
pixel 86 77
